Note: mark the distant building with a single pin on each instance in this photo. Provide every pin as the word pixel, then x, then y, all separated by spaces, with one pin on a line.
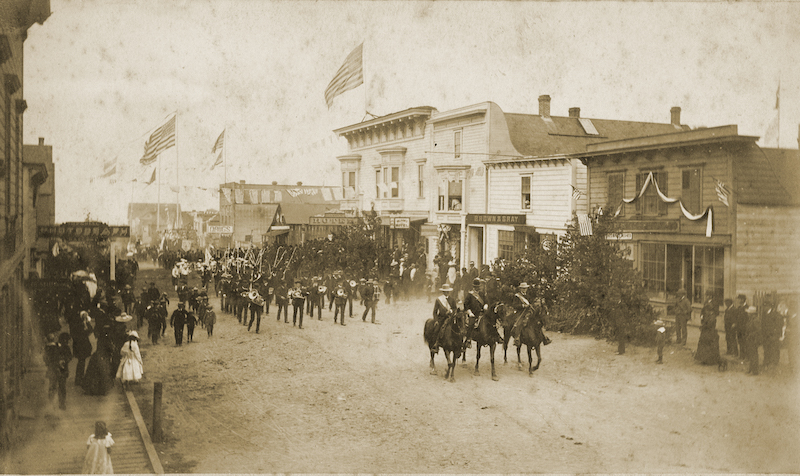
pixel 258 213
pixel 39 184
pixel 147 221
pixel 663 188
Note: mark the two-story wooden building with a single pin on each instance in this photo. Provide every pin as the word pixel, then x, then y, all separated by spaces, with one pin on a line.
pixel 704 210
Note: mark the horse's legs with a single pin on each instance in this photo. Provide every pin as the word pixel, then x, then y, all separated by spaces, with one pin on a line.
pixel 492 346
pixel 530 360
pixel 519 360
pixel 506 339
pixel 477 357
pixel 451 366
pixel 538 356
pixel 433 369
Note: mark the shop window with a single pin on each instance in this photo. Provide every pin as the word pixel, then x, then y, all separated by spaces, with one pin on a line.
pixel 525 187
pixel 709 274
pixel 615 193
pixel 691 190
pixel 510 244
pixel 653 268
pixel 650 204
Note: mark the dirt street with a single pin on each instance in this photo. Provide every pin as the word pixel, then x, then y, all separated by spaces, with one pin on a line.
pixel 360 398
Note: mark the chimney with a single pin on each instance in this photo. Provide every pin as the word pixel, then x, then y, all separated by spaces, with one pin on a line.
pixel 274 182
pixel 41 141
pixel 675 116
pixel 299 184
pixel 544 105
pixel 575 112
pixel 242 182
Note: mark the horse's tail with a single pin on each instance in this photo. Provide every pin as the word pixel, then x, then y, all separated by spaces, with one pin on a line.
pixel 427 334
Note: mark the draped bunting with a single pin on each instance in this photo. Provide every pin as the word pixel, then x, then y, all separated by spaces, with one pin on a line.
pixel 238 194
pixel 707 213
pixel 253 195
pixel 227 193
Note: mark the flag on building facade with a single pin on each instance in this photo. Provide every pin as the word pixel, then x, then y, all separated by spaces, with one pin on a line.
pixel 218 145
pixel 576 193
pixel 161 139
pixel 349 76
pixel 722 192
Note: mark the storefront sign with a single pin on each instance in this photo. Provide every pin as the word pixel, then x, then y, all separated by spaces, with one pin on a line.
pixel 619 236
pixel 662 226
pixel 454 219
pixel 332 220
pixel 489 219
pixel 88 232
pixel 399 222
pixel 221 230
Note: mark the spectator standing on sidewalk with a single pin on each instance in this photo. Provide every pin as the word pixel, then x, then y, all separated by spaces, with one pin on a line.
pixel 661 339
pixel 683 314
pixel 731 343
pixel 130 367
pixel 98 451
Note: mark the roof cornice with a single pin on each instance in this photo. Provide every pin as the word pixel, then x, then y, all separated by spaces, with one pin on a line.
pixel 480 108
pixel 408 114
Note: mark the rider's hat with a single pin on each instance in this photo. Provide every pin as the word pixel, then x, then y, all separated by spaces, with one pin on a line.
pixel 446 287
pixel 523 285
pixel 476 282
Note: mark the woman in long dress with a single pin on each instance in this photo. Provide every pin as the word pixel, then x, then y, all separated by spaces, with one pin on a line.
pixel 708 345
pixel 130 366
pixel 99 377
pixel 98 451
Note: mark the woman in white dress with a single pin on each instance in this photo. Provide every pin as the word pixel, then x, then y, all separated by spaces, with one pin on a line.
pixel 130 366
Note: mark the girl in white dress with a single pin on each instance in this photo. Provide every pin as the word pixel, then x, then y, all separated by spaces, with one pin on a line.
pixel 98 453
pixel 130 366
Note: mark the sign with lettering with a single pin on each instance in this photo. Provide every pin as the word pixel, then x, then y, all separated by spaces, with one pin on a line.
pixel 490 219
pixel 79 232
pixel 221 229
pixel 450 218
pixel 401 222
pixel 332 220
pixel 619 236
pixel 661 226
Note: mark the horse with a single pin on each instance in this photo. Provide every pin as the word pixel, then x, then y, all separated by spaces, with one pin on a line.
pixel 484 335
pixel 531 324
pixel 452 341
pixel 507 319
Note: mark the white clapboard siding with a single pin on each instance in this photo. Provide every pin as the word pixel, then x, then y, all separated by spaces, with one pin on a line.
pixel 767 249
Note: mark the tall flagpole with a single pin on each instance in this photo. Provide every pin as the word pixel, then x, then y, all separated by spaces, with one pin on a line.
pixel 225 154
pixel 158 205
pixel 364 78
pixel 177 180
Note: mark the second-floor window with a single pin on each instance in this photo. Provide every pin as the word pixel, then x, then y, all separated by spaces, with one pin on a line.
pixel 691 190
pixel 457 144
pixel 421 180
pixel 450 196
pixel 348 184
pixel 525 187
pixel 389 187
pixel 650 204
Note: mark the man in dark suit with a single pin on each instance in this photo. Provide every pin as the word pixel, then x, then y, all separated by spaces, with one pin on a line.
pixel 683 314
pixel 370 300
pixel 178 322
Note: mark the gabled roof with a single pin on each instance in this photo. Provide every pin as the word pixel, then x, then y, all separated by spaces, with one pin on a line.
pixel 537 136
pixel 767 177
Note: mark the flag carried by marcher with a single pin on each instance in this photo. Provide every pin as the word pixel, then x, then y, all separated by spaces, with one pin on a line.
pixel 349 76
pixel 161 139
pixel 218 145
pixel 722 192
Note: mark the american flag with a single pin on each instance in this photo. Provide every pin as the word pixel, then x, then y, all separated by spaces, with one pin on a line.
pixel 218 145
pixel 162 138
pixel 584 224
pixel 349 76
pixel 722 192
pixel 576 193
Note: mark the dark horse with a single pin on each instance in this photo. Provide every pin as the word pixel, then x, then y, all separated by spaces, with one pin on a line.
pixel 484 335
pixel 507 319
pixel 452 341
pixel 531 323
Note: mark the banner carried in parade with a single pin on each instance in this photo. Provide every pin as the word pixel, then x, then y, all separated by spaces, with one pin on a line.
pixel 161 139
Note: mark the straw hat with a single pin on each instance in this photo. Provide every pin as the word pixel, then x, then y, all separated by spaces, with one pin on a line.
pixel 446 287
pixel 523 285
pixel 124 317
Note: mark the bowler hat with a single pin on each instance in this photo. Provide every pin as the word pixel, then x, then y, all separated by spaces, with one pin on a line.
pixel 476 282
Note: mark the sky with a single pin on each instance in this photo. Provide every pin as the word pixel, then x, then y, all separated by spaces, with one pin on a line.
pixel 101 75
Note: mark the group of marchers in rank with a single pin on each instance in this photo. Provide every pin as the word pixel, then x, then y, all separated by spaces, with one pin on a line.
pixel 471 309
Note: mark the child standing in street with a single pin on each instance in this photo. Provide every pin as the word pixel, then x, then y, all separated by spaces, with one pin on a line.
pixel 661 339
pixel 98 453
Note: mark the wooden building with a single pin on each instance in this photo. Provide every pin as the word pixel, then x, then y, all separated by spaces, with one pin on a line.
pixel 704 210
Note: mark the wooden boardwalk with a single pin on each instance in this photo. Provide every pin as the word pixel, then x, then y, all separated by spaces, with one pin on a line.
pixel 55 440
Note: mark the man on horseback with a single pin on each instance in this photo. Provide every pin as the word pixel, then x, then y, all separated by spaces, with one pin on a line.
pixel 521 304
pixel 476 305
pixel 444 307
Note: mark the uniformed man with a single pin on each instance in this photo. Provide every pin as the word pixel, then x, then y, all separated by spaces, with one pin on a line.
pixel 340 301
pixel 520 303
pixel 256 306
pixel 370 300
pixel 475 304
pixel 153 322
pixel 444 307
pixel 351 289
pixel 298 294
pixel 282 299
pixel 178 322
pixel 319 300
